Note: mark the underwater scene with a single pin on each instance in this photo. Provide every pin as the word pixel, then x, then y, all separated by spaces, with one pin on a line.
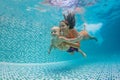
pixel 59 40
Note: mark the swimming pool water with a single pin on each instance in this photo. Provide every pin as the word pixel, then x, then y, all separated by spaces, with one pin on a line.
pixel 25 38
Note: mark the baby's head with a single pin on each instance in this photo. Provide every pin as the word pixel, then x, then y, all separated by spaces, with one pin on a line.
pixel 55 31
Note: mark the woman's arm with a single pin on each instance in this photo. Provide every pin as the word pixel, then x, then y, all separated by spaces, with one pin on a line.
pixel 74 42
pixel 71 40
pixel 75 45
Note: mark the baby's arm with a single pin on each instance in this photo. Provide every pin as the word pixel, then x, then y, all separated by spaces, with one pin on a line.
pixel 51 47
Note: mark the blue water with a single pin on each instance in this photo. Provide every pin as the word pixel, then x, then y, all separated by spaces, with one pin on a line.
pixel 25 38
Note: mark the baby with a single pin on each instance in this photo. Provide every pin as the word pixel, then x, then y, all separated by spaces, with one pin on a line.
pixel 57 41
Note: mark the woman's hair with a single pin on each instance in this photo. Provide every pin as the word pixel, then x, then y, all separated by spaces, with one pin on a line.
pixel 69 20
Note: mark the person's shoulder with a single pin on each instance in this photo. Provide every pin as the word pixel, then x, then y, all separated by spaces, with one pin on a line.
pixel 73 30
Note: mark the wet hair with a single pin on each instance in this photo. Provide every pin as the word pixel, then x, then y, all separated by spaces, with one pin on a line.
pixel 69 20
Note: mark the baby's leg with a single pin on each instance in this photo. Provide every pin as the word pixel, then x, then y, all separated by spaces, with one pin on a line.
pixel 81 52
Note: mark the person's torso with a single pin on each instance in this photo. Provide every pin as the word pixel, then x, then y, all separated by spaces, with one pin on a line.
pixel 72 34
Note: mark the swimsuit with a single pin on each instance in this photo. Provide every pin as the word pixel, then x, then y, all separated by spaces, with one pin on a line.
pixel 72 49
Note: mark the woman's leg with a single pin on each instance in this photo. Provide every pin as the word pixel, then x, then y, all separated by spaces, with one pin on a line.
pixel 92 37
